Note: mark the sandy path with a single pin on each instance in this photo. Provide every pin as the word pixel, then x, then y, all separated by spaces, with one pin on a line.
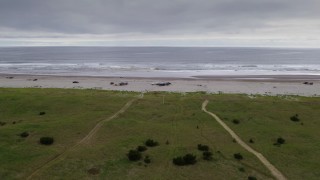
pixel 274 171
pixel 86 139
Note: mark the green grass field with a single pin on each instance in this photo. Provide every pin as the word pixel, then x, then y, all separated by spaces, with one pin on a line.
pixel 71 114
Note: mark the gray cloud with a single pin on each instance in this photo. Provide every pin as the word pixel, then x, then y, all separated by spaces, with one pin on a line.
pixel 158 17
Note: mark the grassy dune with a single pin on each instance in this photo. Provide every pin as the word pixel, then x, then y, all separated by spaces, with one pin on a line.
pixel 71 114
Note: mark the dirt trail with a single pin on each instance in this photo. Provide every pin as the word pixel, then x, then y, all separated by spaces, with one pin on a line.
pixel 86 139
pixel 274 171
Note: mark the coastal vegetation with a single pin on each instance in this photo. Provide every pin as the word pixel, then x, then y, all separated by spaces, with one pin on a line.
pixel 146 139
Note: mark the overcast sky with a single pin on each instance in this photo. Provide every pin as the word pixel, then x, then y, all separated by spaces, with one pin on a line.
pixel 272 23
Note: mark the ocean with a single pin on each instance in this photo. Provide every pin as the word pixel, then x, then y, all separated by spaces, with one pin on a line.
pixel 158 61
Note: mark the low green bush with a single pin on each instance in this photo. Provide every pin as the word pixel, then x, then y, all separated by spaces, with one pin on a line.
pixel 235 121
pixel 238 156
pixel 24 134
pixel 147 160
pixel 252 178
pixel 207 155
pixel 187 159
pixel 134 155
pixel 203 147
pixel 46 140
pixel 141 148
pixel 295 118
pixel 151 143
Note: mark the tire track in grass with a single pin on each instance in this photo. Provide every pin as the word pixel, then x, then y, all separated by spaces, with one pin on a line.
pixel 86 139
pixel 274 171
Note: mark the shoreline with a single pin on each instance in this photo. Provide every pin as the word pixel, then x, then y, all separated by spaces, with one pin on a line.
pixel 257 84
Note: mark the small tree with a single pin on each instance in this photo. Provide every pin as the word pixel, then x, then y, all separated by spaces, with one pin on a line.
pixel 46 140
pixel 238 156
pixel 134 155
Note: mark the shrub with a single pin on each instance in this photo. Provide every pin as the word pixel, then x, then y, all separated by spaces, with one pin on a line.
pixel 235 121
pixel 280 140
pixel 203 147
pixel 151 143
pixel 42 113
pixel 188 159
pixel 178 161
pixel 241 169
pixel 295 118
pixel 147 160
pixel 134 155
pixel 24 134
pixel 238 156
pixel 207 155
pixel 2 123
pixel 252 178
pixel 46 140
pixel 141 148
pixel 251 141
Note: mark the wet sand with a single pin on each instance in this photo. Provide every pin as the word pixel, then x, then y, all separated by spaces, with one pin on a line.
pixel 269 85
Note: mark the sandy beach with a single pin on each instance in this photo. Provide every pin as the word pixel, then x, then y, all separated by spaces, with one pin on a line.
pixel 267 85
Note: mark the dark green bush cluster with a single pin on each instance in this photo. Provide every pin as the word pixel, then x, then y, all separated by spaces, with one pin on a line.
pixel 46 140
pixel 295 118
pixel 238 156
pixel 134 155
pixel 187 159
pixel 151 143
pixel 206 155
pixel 24 134
pixel 203 147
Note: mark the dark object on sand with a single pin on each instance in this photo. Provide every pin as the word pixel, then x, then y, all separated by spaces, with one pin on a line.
pixel 308 83
pixel 162 83
pixel 75 82
pixel 123 84
pixel 35 80
pixel 112 83
pixel 10 77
